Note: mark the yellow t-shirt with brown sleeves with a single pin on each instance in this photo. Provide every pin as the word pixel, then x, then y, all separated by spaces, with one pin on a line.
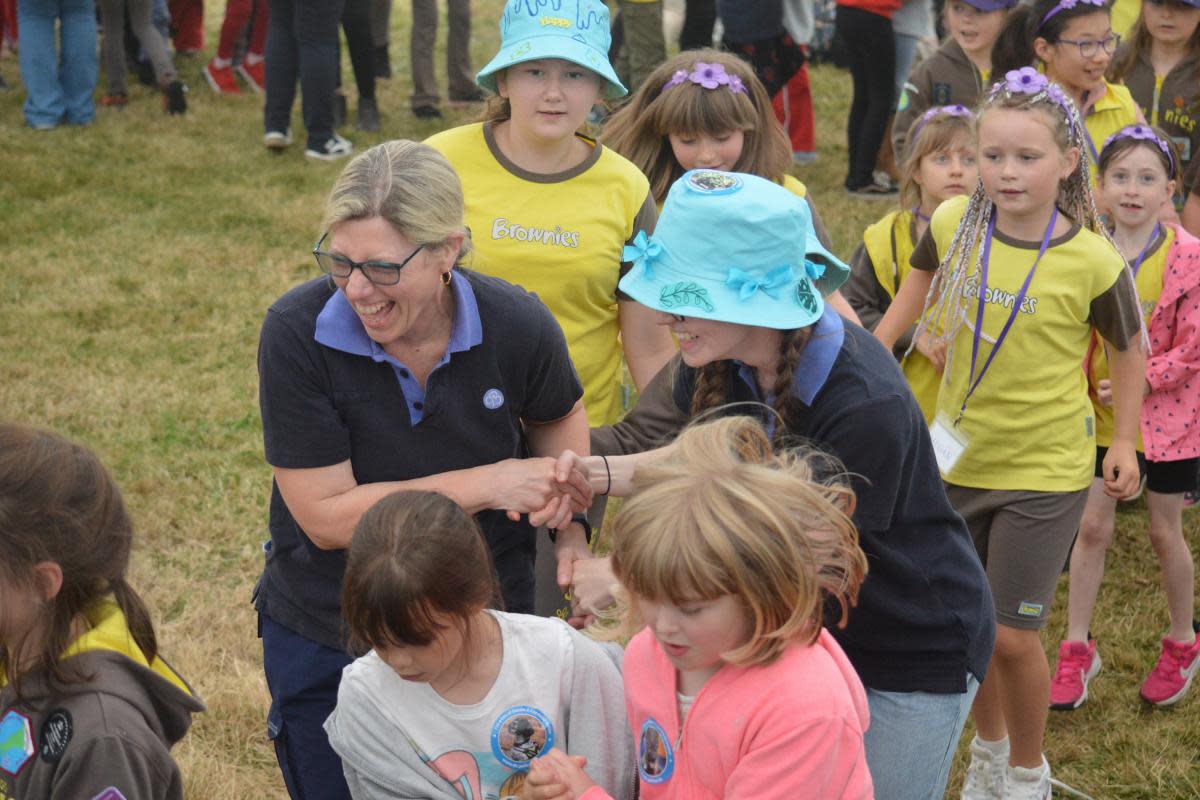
pixel 559 236
pixel 1029 424
pixel 1115 110
pixel 892 268
pixel 1149 281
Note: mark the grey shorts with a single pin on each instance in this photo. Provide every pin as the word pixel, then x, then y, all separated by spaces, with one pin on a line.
pixel 1023 539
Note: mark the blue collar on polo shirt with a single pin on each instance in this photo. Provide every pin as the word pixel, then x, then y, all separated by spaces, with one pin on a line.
pixel 815 363
pixel 339 327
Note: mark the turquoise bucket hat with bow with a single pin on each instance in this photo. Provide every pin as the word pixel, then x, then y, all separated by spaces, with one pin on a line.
pixel 733 248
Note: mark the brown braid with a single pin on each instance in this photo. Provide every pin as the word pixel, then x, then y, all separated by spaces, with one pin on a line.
pixel 712 381
pixel 791 345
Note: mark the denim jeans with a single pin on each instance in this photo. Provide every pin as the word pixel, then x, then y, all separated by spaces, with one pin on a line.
pixel 911 741
pixel 302 42
pixel 59 76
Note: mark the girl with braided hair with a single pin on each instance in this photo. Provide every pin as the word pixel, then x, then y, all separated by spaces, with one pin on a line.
pixel 736 273
pixel 1018 275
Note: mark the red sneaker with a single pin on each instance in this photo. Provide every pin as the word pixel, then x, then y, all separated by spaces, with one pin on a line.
pixel 1172 676
pixel 114 100
pixel 221 79
pixel 255 75
pixel 1078 663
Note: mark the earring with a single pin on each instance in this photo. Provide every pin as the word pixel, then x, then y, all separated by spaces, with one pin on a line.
pixel 446 278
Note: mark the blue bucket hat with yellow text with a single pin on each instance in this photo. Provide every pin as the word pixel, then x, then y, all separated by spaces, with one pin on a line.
pixel 733 248
pixel 573 30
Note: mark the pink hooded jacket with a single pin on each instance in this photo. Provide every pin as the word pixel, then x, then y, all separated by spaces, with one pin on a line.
pixel 1171 412
pixel 791 729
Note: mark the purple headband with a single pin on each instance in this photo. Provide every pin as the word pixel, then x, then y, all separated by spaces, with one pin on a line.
pixel 940 111
pixel 1063 5
pixel 1028 81
pixel 1144 134
pixel 707 76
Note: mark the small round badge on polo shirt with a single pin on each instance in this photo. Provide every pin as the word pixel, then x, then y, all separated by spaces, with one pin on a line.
pixel 520 734
pixel 493 399
pixel 710 181
pixel 656 758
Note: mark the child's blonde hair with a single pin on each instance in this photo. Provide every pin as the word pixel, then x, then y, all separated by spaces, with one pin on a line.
pixel 723 514
pixel 639 130
pixel 1075 199
pixel 930 133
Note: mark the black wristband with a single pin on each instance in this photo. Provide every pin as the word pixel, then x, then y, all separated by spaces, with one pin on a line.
pixel 582 520
pixel 608 473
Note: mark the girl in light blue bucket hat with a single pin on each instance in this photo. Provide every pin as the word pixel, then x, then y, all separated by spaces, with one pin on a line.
pixel 736 273
pixel 550 208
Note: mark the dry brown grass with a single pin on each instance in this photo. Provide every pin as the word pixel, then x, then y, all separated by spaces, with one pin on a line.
pixel 139 257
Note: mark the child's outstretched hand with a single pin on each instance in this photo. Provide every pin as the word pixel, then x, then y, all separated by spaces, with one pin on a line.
pixel 934 350
pixel 554 775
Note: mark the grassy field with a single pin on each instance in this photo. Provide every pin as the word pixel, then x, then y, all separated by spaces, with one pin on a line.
pixel 139 256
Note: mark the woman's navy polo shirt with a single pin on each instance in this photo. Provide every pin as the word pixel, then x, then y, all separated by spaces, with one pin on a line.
pixel 328 394
pixel 924 617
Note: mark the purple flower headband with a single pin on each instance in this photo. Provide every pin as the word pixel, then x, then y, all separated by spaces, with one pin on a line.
pixel 707 76
pixel 940 111
pixel 1028 81
pixel 1064 5
pixel 1145 134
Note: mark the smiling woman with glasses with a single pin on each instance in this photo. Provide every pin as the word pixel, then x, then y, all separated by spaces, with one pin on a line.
pixel 400 370
pixel 1074 42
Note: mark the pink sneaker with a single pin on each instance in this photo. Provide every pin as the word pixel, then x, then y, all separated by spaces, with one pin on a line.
pixel 1172 676
pixel 1078 663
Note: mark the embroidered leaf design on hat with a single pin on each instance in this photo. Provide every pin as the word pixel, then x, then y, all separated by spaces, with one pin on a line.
pixel 806 297
pixel 678 295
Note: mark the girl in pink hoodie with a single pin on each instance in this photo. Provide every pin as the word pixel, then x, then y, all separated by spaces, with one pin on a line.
pixel 1138 175
pixel 727 554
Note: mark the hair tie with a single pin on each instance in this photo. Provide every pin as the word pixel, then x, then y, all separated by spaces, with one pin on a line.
pixel 1064 5
pixel 707 76
pixel 956 110
pixel 1144 133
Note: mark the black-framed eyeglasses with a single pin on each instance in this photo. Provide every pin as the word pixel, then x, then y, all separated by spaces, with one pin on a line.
pixel 1088 47
pixel 380 273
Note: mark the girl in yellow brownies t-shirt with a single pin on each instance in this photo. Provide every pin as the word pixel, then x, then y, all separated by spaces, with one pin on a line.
pixel 552 210
pixel 1024 271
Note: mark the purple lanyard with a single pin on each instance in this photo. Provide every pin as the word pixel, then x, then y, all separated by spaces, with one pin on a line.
pixel 973 380
pixel 1137 262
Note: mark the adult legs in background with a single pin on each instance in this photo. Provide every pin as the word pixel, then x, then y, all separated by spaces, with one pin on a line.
pixel 58 86
pixel 461 76
pixel 187 22
pixel 356 22
pixel 871 50
pixel 302 41
pixel 425 98
pixel 699 16
pixel 793 108
pixel 381 28
pixel 911 741
pixel 644 47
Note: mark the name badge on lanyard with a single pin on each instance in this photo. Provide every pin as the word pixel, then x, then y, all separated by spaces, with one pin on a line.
pixel 949 443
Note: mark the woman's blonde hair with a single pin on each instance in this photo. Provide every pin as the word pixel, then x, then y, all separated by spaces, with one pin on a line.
pixel 940 132
pixel 723 514
pixel 639 130
pixel 409 184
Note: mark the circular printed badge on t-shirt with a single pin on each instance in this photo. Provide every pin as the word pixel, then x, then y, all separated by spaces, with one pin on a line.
pixel 520 734
pixel 656 759
pixel 711 181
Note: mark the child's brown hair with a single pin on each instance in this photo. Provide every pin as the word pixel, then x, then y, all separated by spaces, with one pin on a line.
pixel 59 504
pixel 414 556
pixel 640 129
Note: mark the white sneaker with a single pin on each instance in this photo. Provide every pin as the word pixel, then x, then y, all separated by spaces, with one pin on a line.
pixel 333 149
pixel 277 140
pixel 985 774
pixel 1022 783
